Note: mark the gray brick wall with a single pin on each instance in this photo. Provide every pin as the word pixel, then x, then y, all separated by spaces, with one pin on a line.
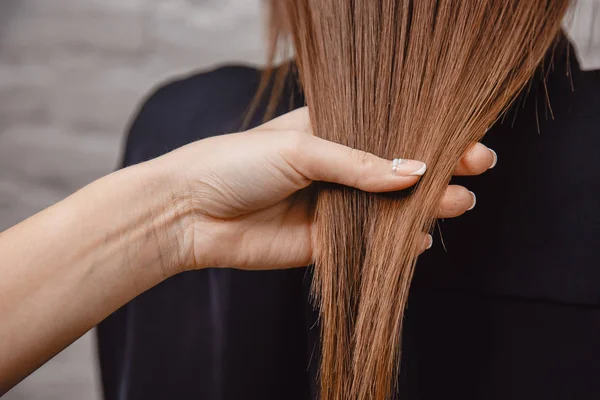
pixel 71 74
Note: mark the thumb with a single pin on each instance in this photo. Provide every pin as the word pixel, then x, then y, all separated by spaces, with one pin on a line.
pixel 321 160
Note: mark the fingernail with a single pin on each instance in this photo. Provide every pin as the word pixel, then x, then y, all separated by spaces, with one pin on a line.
pixel 474 201
pixel 495 158
pixel 430 241
pixel 404 167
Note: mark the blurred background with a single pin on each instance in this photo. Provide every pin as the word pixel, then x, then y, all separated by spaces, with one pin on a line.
pixel 72 72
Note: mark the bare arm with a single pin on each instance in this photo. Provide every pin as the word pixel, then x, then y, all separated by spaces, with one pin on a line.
pixel 65 269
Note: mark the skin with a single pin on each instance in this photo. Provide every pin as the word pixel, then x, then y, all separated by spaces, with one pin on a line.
pixel 231 201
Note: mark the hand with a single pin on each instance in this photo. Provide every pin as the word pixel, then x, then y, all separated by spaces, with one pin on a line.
pixel 231 201
pixel 243 199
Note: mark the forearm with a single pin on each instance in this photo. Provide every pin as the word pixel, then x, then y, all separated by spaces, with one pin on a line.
pixel 65 269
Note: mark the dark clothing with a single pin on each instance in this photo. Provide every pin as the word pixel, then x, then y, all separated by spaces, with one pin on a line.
pixel 510 311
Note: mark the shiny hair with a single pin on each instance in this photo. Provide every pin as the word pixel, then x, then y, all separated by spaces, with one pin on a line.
pixel 419 79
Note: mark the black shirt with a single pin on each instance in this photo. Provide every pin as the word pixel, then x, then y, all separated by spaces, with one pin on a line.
pixel 509 309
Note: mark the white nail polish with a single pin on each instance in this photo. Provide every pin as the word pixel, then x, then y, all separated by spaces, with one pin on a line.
pixel 430 241
pixel 420 171
pixel 495 158
pixel 404 167
pixel 474 201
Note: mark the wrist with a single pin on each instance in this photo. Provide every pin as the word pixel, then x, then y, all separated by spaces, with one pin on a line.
pixel 194 239
pixel 156 216
pixel 202 240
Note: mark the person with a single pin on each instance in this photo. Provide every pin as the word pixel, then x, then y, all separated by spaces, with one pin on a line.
pixel 237 200
pixel 504 305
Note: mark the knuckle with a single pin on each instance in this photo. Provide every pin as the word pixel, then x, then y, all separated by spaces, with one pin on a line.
pixel 364 162
pixel 456 201
pixel 362 158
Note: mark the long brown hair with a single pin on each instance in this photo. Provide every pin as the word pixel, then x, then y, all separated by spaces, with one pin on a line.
pixel 419 79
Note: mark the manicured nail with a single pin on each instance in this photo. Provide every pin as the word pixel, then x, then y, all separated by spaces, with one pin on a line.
pixel 430 241
pixel 474 201
pixel 403 167
pixel 495 158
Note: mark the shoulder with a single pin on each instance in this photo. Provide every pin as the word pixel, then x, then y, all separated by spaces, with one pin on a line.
pixel 190 108
pixel 207 89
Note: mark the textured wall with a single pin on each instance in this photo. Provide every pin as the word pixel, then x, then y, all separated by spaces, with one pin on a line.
pixel 71 74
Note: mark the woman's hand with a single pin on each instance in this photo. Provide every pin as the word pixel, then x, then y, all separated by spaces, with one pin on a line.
pixel 242 198
pixel 231 201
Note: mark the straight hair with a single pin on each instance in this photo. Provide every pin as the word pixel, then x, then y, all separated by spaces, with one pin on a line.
pixel 418 79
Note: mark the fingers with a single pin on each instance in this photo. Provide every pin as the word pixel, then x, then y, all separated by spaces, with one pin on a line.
pixel 456 201
pixel 476 160
pixel 320 160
